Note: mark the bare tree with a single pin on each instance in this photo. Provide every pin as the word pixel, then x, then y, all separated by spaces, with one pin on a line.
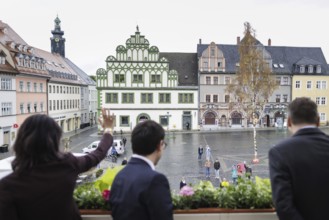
pixel 254 82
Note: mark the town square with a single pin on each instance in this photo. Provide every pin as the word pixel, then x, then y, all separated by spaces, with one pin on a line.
pixel 164 110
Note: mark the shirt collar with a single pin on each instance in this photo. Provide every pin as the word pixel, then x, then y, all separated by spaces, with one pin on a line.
pixel 148 161
pixel 308 126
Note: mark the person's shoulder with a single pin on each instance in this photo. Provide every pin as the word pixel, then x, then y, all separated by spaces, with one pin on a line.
pixel 159 177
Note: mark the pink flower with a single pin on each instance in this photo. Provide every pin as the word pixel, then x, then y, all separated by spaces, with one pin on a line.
pixel 186 191
pixel 106 194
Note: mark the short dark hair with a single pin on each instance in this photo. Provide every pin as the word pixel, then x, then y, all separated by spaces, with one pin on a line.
pixel 37 142
pixel 303 110
pixel 146 136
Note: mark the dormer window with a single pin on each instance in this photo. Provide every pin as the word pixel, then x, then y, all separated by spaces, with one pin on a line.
pixel 318 69
pixel 301 69
pixel 205 64
pixel 19 47
pixel 2 59
pixel 310 69
pixel 12 45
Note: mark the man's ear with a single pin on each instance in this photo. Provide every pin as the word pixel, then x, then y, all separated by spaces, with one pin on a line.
pixel 158 146
pixel 318 122
pixel 289 124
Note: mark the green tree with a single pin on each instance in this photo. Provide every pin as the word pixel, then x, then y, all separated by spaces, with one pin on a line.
pixel 254 82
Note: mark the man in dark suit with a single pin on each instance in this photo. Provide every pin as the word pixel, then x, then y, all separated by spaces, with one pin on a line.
pixel 299 166
pixel 139 192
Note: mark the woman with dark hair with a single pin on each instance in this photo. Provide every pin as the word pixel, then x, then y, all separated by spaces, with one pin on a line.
pixel 43 179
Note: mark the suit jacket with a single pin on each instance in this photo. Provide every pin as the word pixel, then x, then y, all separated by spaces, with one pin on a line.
pixel 299 172
pixel 140 193
pixel 46 191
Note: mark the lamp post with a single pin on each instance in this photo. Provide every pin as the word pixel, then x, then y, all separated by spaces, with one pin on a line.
pixel 91 118
pixel 168 115
pixel 75 122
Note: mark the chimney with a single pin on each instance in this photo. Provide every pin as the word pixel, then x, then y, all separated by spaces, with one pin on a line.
pixel 238 40
pixel 200 41
pixel 269 42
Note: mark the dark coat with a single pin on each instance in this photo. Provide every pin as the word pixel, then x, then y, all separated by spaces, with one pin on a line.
pixel 299 172
pixel 216 165
pixel 182 184
pixel 140 193
pixel 46 191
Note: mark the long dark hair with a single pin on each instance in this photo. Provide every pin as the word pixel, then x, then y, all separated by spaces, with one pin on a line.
pixel 37 142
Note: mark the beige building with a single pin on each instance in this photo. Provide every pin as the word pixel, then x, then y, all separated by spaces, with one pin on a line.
pixel 316 88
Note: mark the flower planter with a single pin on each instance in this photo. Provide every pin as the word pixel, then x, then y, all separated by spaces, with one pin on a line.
pixel 197 214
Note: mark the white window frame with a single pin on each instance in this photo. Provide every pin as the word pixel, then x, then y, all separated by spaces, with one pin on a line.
pixel 323 101
pixel 216 82
pixel 324 85
pixel 6 84
pixel 6 108
pixel 2 60
pixel 208 95
pixel 298 84
pixel 285 80
pixel 208 78
pixel 28 85
pixel 323 116
pixel 227 80
pixel 21 108
pixel 309 85
pixel 317 100
pixel 21 86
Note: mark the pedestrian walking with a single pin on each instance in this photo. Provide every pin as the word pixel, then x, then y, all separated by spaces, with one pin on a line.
pixel 216 167
pixel 124 140
pixel 200 152
pixel 208 152
pixel 207 165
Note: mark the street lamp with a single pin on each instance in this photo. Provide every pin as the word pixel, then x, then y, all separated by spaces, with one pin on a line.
pixel 168 115
pixel 75 121
pixel 91 118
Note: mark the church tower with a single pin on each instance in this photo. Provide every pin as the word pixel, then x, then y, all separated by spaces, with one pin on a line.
pixel 57 40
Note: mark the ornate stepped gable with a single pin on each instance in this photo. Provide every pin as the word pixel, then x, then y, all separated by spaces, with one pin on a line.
pixel 137 65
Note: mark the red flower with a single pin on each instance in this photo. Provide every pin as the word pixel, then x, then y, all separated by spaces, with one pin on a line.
pixel 106 194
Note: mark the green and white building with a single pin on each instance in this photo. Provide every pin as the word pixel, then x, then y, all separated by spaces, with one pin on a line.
pixel 140 83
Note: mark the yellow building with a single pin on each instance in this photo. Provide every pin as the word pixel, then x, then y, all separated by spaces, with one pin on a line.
pixel 316 88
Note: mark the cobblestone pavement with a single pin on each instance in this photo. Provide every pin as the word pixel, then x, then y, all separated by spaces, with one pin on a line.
pixel 180 157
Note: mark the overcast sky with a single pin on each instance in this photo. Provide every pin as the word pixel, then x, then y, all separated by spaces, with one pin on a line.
pixel 93 29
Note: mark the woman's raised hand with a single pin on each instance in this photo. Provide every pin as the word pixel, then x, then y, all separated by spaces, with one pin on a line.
pixel 107 120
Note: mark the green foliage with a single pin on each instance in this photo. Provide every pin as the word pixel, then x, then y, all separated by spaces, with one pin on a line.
pixel 88 197
pixel 245 195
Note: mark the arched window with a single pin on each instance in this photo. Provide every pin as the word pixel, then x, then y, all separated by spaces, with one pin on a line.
pixel 236 118
pixel 210 118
